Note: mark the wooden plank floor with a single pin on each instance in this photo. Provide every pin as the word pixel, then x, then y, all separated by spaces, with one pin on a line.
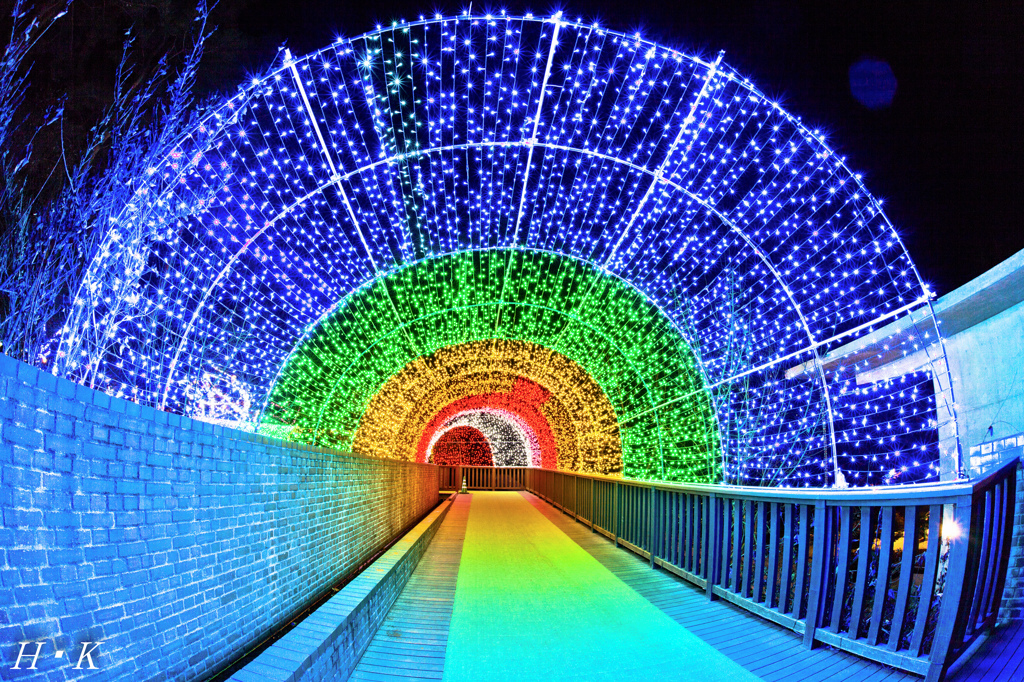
pixel 769 651
pixel 1000 658
pixel 411 643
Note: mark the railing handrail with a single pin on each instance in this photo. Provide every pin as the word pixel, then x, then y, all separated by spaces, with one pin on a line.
pixel 825 551
pixel 910 491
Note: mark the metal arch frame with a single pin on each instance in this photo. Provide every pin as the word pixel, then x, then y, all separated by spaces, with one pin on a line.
pixel 611 343
pixel 706 384
pixel 637 41
pixel 235 104
pixel 506 417
pixel 658 177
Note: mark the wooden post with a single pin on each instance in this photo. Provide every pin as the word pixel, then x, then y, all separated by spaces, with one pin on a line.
pixel 652 517
pixel 712 553
pixel 592 514
pixel 819 550
pixel 931 560
pixel 615 529
pixel 952 610
pixel 576 496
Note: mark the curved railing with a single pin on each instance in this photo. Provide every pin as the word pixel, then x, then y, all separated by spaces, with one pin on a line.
pixel 810 560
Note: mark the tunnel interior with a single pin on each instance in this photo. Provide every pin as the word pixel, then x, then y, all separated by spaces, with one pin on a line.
pixel 530 237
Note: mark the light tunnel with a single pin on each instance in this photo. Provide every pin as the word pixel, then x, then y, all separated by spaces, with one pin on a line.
pixel 531 241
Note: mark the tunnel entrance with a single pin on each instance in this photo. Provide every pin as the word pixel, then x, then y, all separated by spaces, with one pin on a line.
pixel 463 446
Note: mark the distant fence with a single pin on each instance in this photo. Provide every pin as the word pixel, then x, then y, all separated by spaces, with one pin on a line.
pixel 810 560
pixel 482 478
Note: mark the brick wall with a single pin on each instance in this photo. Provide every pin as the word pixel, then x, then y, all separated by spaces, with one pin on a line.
pixel 1012 607
pixel 176 543
pixel 328 644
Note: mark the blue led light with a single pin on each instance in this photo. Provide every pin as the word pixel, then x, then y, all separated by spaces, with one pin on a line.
pixel 662 168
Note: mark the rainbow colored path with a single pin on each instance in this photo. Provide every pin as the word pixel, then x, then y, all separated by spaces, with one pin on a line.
pixel 532 604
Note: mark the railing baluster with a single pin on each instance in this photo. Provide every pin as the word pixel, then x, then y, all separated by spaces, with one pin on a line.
pixel 724 504
pixel 638 516
pixel 576 507
pixel 695 534
pixel 931 561
pixel 617 495
pixel 882 581
pixel 684 525
pixel 773 547
pixel 842 567
pixel 737 534
pixel 803 552
pixel 672 530
pixel 787 558
pixel 760 548
pixel 627 515
pixel 863 553
pixel 816 588
pixel 707 531
pixel 906 568
pixel 952 612
pixel 593 504
pixel 664 525
pixel 984 560
pixel 994 585
pixel 748 550
pixel 711 544
pixel 652 527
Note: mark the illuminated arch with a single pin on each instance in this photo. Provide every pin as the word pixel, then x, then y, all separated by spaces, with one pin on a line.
pixel 659 168
pixel 512 442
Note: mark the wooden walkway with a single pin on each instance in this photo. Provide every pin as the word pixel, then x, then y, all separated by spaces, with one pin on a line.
pixel 1000 658
pixel 769 651
pixel 411 643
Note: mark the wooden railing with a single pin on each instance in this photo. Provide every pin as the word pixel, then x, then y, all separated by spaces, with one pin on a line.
pixel 482 478
pixel 906 576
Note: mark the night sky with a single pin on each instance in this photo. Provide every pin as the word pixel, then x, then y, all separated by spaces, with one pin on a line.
pixel 944 156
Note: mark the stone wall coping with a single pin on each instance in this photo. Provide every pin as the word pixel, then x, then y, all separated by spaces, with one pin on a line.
pixel 287 659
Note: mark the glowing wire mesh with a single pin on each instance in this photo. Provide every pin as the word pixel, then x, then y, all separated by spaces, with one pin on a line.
pixel 627 161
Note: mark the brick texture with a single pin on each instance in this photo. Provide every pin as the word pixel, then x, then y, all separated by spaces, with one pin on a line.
pixel 177 544
pixel 326 646
pixel 1012 607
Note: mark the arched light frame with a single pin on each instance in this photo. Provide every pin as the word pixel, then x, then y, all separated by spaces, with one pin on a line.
pixel 131 335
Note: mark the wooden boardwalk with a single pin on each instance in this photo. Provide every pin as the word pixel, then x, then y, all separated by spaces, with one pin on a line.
pixel 411 643
pixel 767 650
pixel 1000 658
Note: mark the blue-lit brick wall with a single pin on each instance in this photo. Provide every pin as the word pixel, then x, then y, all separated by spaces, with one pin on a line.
pixel 177 544
pixel 1013 593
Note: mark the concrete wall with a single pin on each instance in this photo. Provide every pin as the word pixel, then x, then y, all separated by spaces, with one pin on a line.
pixel 986 362
pixel 177 544
pixel 983 322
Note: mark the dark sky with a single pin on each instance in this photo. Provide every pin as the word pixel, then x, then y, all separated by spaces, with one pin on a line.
pixel 945 156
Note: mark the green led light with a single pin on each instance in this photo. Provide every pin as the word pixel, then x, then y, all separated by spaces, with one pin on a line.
pixel 642 363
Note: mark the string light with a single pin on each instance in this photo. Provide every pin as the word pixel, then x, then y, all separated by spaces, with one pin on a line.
pixel 510 439
pixel 612 362
pixel 704 258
